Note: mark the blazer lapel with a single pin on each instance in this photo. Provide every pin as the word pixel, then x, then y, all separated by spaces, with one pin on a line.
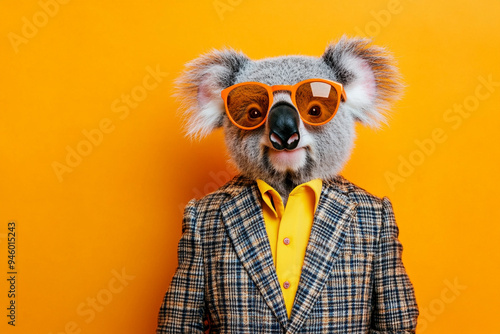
pixel 242 215
pixel 331 223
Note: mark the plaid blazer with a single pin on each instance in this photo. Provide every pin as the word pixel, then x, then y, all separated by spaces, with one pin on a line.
pixel 352 280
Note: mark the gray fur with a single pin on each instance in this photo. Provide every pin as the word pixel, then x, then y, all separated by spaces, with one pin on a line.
pixel 369 78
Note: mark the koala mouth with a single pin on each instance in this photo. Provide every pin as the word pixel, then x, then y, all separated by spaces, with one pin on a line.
pixel 287 160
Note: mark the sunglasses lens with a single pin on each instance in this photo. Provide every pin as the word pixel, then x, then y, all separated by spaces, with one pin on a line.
pixel 317 101
pixel 248 105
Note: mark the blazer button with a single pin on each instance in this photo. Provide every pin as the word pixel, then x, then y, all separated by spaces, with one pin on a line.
pixel 286 241
pixel 286 284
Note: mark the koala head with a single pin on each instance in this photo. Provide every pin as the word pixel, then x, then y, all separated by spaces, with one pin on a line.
pixel 285 151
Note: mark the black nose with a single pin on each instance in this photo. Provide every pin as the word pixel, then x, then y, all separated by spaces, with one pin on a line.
pixel 283 126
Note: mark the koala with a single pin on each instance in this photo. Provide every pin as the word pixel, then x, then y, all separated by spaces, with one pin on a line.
pixel 370 80
pixel 288 121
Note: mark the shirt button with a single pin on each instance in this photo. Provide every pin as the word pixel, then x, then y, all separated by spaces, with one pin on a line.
pixel 286 241
pixel 286 284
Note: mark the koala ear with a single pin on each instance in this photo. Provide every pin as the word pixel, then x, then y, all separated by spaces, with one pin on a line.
pixel 370 79
pixel 199 89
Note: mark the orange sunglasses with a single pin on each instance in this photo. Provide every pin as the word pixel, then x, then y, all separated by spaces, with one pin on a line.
pixel 248 103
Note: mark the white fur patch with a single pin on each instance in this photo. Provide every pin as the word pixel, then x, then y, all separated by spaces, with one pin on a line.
pixel 288 160
pixel 206 120
pixel 362 92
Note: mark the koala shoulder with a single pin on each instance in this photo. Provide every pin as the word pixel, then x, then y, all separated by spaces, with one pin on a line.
pixel 357 194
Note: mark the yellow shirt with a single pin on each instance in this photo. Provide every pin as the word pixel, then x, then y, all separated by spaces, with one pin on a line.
pixel 288 230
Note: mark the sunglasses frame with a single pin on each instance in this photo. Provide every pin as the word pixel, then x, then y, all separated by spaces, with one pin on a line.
pixel 290 88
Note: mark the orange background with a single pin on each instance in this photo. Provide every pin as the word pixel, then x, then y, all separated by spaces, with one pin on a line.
pixel 118 209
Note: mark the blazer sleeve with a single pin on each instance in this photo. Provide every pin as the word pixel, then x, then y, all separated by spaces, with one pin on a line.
pixel 183 307
pixel 395 310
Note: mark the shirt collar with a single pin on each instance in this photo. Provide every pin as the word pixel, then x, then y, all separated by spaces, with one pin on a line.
pixel 273 199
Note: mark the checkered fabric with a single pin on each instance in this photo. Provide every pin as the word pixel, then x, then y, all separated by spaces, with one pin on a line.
pixel 353 280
